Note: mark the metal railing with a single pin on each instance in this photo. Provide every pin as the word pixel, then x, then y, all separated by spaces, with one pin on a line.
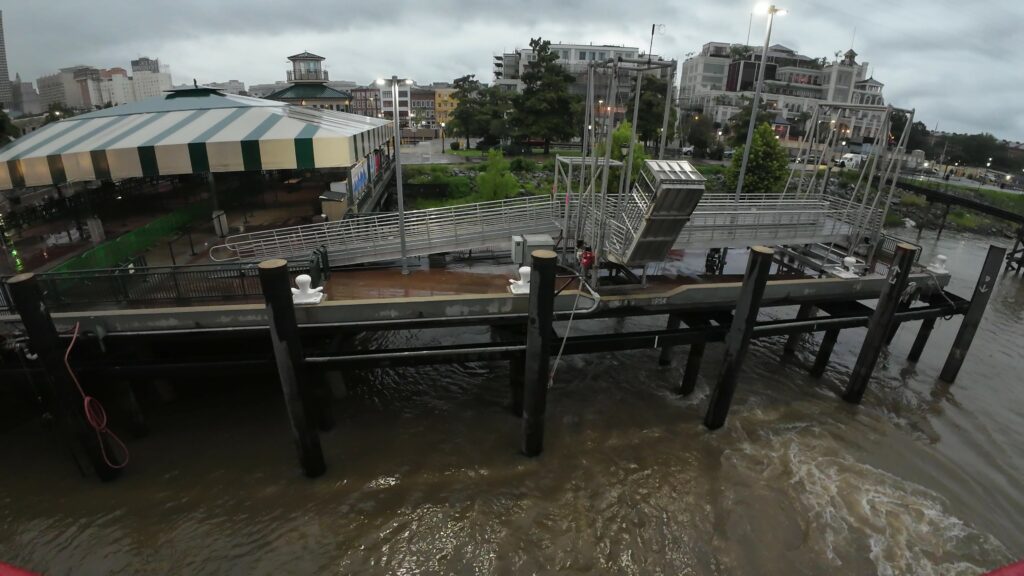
pixel 150 286
pixel 376 236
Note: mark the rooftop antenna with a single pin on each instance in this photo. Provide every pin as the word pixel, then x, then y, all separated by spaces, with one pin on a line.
pixel 651 45
pixel 750 23
pixel 853 37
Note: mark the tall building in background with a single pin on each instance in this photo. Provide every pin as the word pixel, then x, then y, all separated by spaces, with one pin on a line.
pixel 6 95
pixel 144 64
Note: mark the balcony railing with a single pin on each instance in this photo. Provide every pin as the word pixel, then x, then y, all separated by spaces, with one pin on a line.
pixel 306 75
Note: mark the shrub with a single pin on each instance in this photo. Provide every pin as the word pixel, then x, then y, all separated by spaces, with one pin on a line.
pixel 496 182
pixel 522 165
pixel 454 145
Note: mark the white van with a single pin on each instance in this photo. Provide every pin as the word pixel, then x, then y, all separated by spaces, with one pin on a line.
pixel 849 160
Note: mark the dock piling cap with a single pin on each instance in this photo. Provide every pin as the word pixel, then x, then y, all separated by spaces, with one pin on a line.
pixel 20 278
pixel 544 254
pixel 762 249
pixel 273 263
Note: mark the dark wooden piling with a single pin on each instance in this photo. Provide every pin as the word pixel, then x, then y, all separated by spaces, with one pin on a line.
pixel 738 339
pixel 516 381
pixel 806 311
pixel 881 322
pixel 828 342
pixel 291 369
pixel 665 358
pixel 969 325
pixel 67 402
pixel 942 223
pixel 693 358
pixel 538 350
pixel 922 338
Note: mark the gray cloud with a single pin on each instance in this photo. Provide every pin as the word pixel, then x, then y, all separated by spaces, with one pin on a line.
pixel 954 62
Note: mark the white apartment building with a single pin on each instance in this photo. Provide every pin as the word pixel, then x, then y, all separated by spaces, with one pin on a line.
pixel 719 79
pixel 509 67
pixel 117 88
pixel 149 84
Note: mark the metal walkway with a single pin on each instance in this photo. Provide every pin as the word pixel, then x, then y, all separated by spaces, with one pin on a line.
pixel 718 221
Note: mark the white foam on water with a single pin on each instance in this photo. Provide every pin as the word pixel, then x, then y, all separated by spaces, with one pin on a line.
pixel 906 527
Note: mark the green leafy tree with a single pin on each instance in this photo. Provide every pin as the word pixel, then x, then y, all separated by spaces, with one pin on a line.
pixel 8 131
pixel 469 118
pixel 545 108
pixel 496 182
pixel 767 166
pixel 652 111
pixel 702 135
pixel 919 137
pixel 740 122
pixel 57 112
pixel 620 142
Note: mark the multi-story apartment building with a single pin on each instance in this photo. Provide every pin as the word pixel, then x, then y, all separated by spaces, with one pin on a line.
pixel 509 67
pixel 264 90
pixel 721 78
pixel 229 87
pixel 366 100
pixel 24 98
pixel 444 104
pixel 144 64
pixel 61 88
pixel 86 87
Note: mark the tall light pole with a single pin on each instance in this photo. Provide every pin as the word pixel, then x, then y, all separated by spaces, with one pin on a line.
pixel 772 11
pixel 442 137
pixel 398 164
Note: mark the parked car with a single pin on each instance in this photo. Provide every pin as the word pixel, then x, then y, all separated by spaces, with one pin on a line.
pixel 728 153
pixel 687 150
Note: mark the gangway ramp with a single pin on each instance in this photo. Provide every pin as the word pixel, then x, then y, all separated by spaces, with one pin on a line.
pixel 376 237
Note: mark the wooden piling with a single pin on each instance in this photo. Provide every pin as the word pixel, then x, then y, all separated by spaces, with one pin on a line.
pixel 693 358
pixel 969 325
pixel 538 350
pixel 922 338
pixel 828 342
pixel 806 311
pixel 291 369
pixel 665 358
pixel 67 402
pixel 881 322
pixel 516 381
pixel 942 223
pixel 738 339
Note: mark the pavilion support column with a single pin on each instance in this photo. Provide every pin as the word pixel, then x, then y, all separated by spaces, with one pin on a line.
pixel 219 217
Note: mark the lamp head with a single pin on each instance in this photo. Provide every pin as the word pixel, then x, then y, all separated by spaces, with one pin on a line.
pixel 380 81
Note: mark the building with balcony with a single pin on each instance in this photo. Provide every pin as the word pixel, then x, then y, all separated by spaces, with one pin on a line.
pixel 444 104
pixel 308 85
pixel 508 68
pixel 721 79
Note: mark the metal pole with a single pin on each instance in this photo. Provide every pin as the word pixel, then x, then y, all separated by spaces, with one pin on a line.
pixel 538 350
pixel 595 274
pixel 738 339
pixel 754 104
pixel 398 173
pixel 972 319
pixel 628 182
pixel 291 365
pixel 881 323
pixel 665 116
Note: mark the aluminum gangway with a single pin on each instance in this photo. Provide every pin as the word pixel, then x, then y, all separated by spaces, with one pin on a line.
pixel 717 221
pixel 375 237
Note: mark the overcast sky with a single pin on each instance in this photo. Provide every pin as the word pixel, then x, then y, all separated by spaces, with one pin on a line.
pixel 957 63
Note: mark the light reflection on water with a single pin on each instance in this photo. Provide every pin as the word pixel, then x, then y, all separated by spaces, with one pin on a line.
pixel 424 475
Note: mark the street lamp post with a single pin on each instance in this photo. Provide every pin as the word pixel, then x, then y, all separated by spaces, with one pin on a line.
pixel 398 166
pixel 772 11
pixel 442 137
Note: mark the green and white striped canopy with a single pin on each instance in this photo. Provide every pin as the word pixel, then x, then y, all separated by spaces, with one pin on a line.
pixel 189 131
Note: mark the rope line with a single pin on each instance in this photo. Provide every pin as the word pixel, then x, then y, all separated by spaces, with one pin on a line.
pixel 94 412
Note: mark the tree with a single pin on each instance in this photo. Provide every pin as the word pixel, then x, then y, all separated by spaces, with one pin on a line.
pixel 766 167
pixel 620 141
pixel 467 120
pixel 701 134
pixel 57 112
pixel 545 108
pixel 8 131
pixel 496 182
pixel 919 137
pixel 740 122
pixel 652 111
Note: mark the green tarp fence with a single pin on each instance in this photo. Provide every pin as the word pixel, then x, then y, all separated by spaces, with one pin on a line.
pixel 121 249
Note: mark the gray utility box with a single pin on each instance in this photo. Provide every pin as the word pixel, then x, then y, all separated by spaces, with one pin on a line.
pixel 523 246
